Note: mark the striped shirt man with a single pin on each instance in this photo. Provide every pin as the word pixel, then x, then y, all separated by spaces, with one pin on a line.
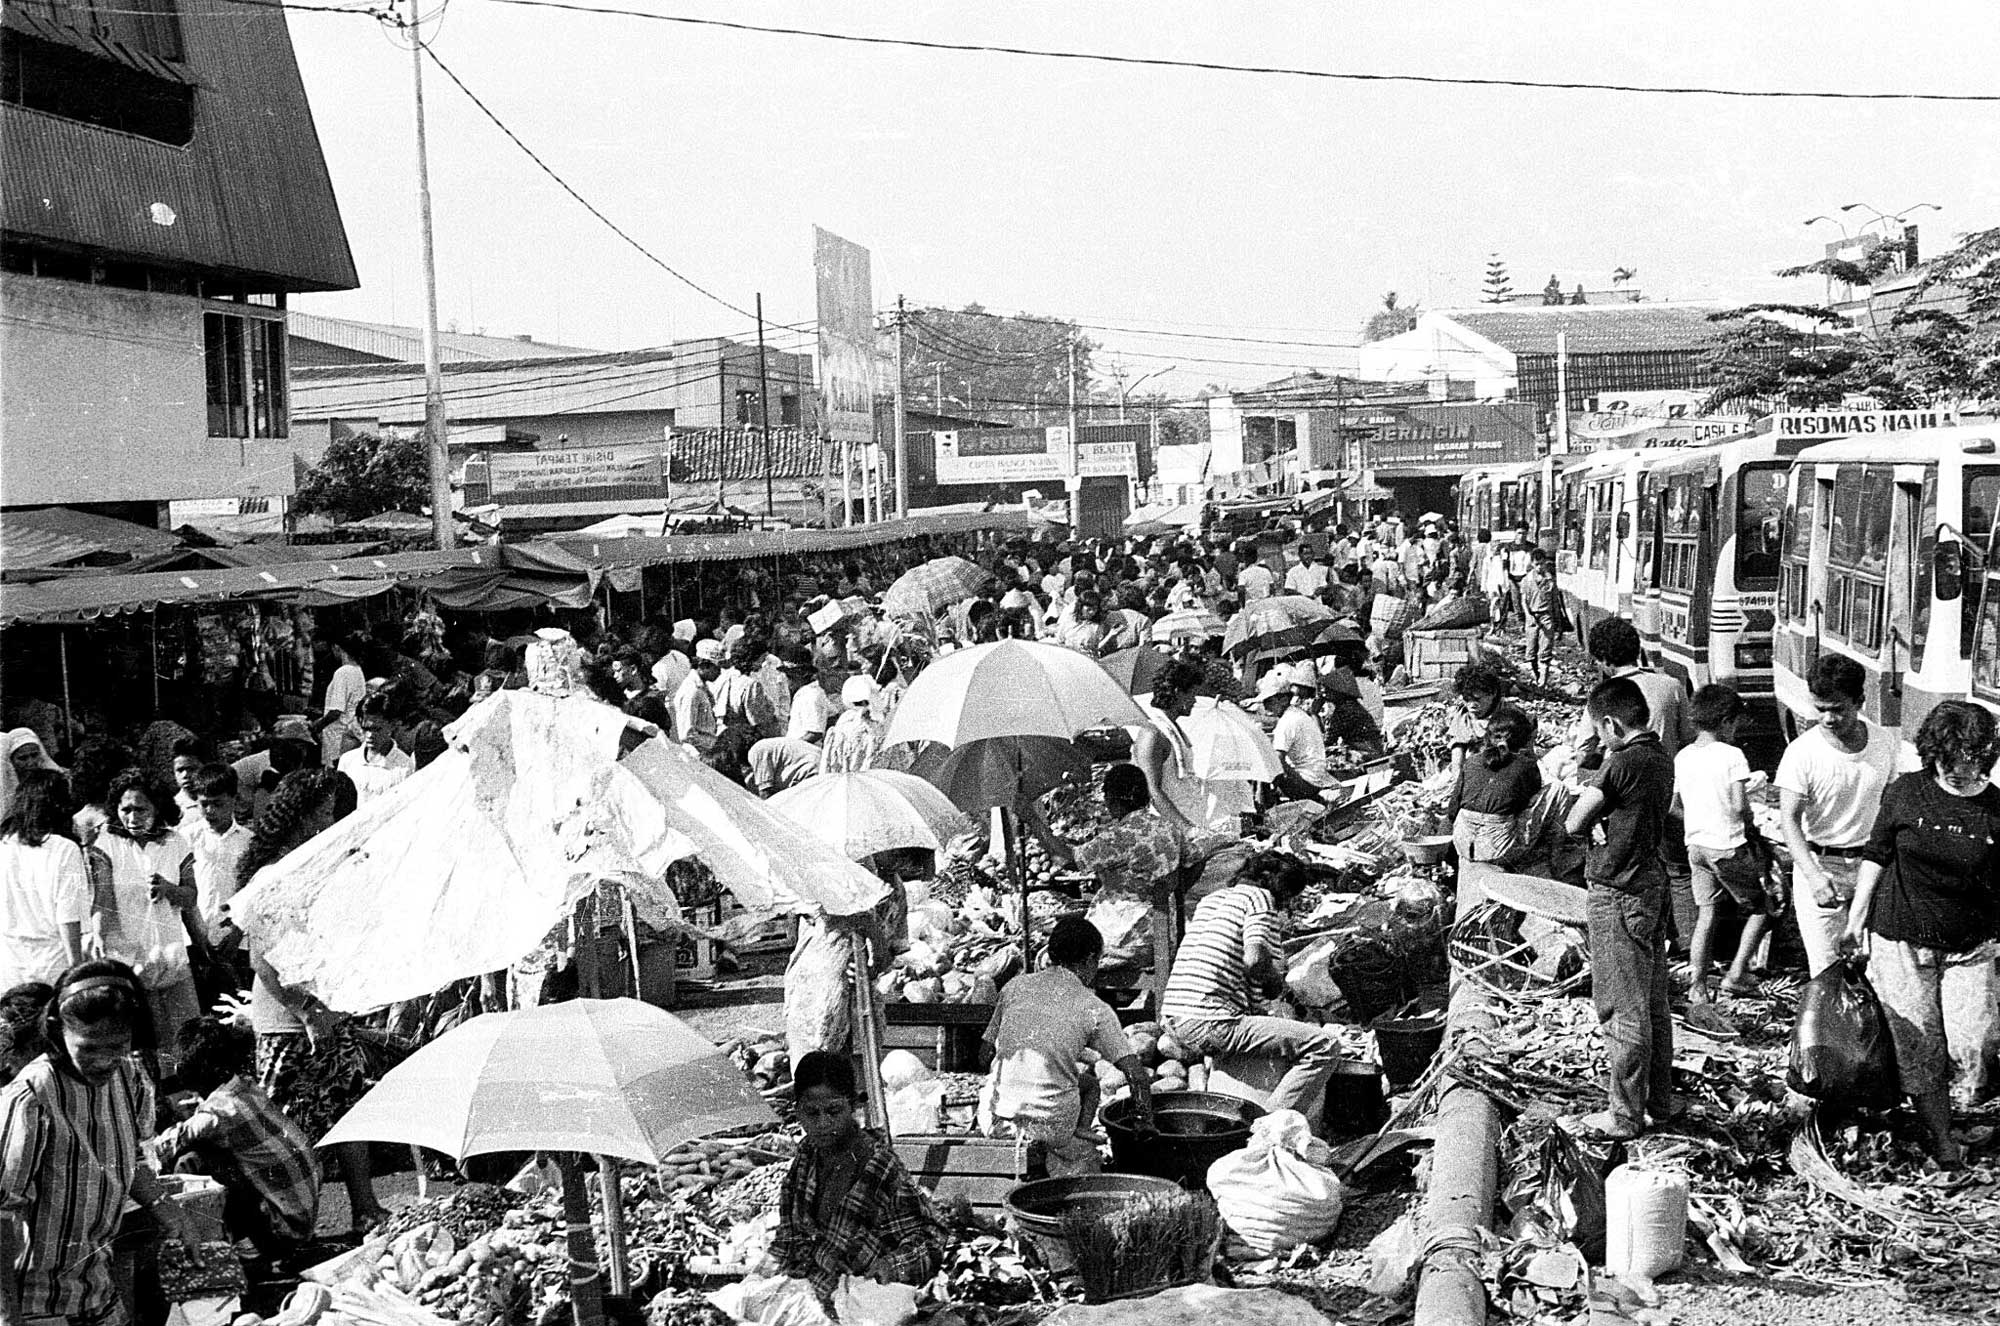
pixel 1211 977
pixel 259 1156
pixel 67 1154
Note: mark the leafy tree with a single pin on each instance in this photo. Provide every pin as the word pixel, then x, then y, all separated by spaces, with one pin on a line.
pixel 1497 286
pixel 1006 363
pixel 1392 319
pixel 1817 356
pixel 364 475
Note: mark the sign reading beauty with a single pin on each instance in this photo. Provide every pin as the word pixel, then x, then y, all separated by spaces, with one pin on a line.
pixel 571 474
pixel 1448 439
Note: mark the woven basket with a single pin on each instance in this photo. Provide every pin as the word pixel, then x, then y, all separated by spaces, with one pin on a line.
pixel 1487 949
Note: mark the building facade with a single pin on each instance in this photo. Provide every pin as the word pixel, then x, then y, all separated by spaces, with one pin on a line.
pixel 164 193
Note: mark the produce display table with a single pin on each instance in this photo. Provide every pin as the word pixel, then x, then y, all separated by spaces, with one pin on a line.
pixel 946 1036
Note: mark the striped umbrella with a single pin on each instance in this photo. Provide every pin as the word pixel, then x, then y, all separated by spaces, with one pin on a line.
pixel 924 591
pixel 1182 622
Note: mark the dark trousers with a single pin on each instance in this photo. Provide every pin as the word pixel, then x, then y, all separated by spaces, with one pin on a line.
pixel 1628 980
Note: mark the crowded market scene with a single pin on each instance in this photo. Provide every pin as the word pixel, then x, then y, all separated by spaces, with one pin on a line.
pixel 976 936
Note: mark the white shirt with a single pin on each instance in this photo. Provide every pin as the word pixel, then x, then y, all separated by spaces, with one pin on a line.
pixel 694 713
pixel 1841 790
pixel 375 774
pixel 1703 775
pixel 813 712
pixel 250 789
pixel 1298 738
pixel 144 933
pixel 215 858
pixel 42 889
pixel 1255 580
pixel 1307 578
pixel 345 691
pixel 670 670
pixel 1040 1026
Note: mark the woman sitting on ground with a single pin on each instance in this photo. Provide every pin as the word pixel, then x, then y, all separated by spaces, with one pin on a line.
pixel 848 1206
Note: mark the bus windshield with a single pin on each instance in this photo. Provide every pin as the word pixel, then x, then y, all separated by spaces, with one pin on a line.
pixel 1760 517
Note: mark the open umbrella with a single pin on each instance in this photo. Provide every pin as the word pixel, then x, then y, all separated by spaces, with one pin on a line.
pixel 1183 622
pixel 1279 622
pixel 923 591
pixel 1135 669
pixel 1015 688
pixel 1228 744
pixel 465 866
pixel 607 1077
pixel 874 810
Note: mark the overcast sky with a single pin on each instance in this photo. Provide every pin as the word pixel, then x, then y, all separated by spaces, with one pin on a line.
pixel 1254 206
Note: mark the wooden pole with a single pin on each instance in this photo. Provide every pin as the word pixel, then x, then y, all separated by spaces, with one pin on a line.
pixel 1017 866
pixel 619 1276
pixel 868 1038
pixel 586 1280
pixel 69 719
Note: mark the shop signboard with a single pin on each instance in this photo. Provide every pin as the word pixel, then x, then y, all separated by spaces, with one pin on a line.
pixel 1449 439
pixel 1626 432
pixel 575 474
pixel 846 307
pixel 1027 455
pixel 1860 423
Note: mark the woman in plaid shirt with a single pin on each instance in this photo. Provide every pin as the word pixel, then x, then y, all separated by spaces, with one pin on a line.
pixel 848 1206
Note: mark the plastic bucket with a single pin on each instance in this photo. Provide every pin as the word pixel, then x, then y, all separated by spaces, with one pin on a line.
pixel 1354 1100
pixel 1037 1208
pixel 1195 1129
pixel 1407 1046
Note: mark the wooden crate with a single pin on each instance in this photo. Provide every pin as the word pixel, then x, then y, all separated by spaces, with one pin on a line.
pixel 980 1168
pixel 1438 655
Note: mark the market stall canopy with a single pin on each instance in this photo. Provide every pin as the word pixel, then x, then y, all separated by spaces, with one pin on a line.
pixel 661 550
pixel 57 536
pixel 873 810
pixel 1164 516
pixel 390 522
pixel 465 866
pixel 611 1077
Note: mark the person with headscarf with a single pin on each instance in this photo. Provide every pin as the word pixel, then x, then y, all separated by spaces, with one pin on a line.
pixel 21 753
pixel 856 736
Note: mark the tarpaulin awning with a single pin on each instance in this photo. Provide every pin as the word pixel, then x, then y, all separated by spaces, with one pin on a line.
pixel 1166 515
pixel 54 536
pixel 271 554
pixel 641 550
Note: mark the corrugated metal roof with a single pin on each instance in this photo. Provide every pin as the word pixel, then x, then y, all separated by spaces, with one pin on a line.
pixel 395 344
pixel 709 454
pixel 16 19
pixel 250 196
pixel 52 536
pixel 277 554
pixel 1591 328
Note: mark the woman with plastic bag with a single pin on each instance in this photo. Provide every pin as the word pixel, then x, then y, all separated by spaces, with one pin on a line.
pixel 1926 909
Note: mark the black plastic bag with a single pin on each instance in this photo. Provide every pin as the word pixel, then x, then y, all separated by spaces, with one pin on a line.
pixel 1841 1050
pixel 1571 1199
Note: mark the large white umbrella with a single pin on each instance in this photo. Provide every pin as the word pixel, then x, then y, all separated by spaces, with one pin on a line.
pixel 1016 688
pixel 873 810
pixel 463 867
pixel 1228 744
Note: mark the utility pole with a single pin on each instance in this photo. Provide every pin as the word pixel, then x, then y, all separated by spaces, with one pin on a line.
pixel 1075 450
pixel 436 449
pixel 1560 444
pixel 902 438
pixel 764 409
pixel 937 386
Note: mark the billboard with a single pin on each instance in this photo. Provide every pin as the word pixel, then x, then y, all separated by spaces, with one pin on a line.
pixel 1861 423
pixel 1029 455
pixel 1443 440
pixel 575 474
pixel 846 305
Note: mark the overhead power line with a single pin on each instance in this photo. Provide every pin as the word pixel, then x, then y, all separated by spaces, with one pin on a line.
pixel 1284 71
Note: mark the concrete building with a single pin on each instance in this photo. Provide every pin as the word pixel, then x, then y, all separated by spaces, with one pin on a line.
pixel 510 393
pixel 163 193
pixel 1499 352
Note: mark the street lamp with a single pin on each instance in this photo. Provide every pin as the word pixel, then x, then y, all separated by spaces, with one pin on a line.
pixel 1125 392
pixel 1886 217
pixel 1812 220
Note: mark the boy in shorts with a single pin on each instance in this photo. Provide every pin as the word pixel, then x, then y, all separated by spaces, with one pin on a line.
pixel 1712 785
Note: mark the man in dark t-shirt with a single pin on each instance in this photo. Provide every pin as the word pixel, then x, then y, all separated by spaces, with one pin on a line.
pixel 1629 910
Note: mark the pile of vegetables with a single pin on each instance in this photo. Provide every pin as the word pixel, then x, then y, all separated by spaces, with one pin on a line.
pixel 716 1161
pixel 1173 1066
pixel 957 955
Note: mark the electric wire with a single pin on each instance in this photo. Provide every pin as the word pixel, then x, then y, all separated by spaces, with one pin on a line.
pixel 1286 71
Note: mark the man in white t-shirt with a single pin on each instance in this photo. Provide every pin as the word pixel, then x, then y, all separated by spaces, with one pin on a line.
pixel 1830 785
pixel 219 842
pixel 816 706
pixel 1295 734
pixel 378 763
pixel 1254 582
pixel 1309 577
